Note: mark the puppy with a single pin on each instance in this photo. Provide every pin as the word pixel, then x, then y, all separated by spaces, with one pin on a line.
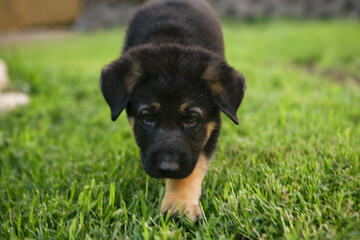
pixel 173 80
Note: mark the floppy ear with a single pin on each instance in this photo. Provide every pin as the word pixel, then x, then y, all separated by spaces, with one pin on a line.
pixel 117 82
pixel 227 87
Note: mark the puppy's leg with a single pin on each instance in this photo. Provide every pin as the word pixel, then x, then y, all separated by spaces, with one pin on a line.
pixel 182 195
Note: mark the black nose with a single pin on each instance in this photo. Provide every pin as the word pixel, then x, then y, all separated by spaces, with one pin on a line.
pixel 168 162
pixel 169 166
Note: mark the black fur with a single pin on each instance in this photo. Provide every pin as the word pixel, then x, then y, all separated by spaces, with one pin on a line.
pixel 186 22
pixel 173 54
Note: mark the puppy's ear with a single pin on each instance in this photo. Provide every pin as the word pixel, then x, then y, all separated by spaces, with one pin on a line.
pixel 117 82
pixel 227 87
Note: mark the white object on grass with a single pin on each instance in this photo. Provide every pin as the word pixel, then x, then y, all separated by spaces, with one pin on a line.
pixel 3 75
pixel 9 101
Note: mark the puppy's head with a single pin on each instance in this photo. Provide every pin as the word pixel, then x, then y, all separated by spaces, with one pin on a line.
pixel 172 96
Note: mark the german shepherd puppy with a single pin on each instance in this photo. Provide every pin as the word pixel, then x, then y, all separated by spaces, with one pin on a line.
pixel 173 80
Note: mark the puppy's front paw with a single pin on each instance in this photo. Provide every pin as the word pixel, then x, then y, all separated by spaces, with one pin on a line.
pixel 181 207
pixel 182 195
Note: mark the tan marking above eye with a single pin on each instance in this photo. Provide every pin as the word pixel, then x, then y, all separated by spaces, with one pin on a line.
pixel 156 105
pixel 183 106
pixel 186 106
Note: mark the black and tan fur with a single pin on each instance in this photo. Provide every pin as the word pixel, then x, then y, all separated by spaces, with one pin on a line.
pixel 173 80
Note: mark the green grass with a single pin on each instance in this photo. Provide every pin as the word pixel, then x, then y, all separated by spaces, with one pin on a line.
pixel 290 170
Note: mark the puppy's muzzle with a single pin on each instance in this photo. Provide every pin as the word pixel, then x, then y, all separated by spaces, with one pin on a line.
pixel 167 163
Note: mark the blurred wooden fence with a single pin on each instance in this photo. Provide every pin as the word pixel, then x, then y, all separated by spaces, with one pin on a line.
pixel 17 14
pixel 92 14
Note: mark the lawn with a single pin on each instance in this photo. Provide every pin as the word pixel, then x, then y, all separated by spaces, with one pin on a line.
pixel 290 170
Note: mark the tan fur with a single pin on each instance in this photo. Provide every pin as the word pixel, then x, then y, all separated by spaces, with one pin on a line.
pixel 133 76
pixel 183 106
pixel 182 195
pixel 155 105
pixel 131 122
pixel 211 75
pixel 209 129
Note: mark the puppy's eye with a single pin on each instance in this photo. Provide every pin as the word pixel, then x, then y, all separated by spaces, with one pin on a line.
pixel 147 118
pixel 192 120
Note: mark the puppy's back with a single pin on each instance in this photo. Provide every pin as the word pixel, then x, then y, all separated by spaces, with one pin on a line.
pixel 186 22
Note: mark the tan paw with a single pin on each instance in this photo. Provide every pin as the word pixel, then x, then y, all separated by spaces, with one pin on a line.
pixel 181 208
